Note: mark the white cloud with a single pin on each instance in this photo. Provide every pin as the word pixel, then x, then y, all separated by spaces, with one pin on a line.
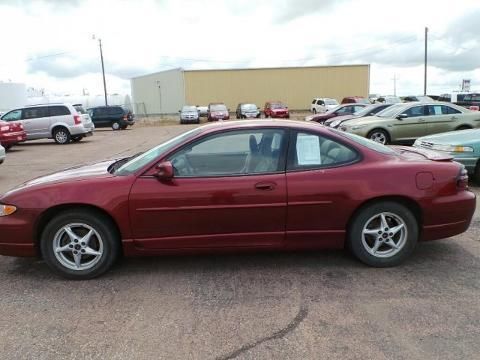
pixel 149 35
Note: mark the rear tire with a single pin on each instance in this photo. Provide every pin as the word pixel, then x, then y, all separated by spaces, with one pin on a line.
pixel 463 127
pixel 383 234
pixel 94 254
pixel 7 147
pixel 61 135
pixel 77 138
pixel 124 127
pixel 116 125
pixel 476 174
pixel 380 136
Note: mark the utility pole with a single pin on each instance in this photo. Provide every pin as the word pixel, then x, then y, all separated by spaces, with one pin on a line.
pixel 103 69
pixel 425 63
pixel 394 84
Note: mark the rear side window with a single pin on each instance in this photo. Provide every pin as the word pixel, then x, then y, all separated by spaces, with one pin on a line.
pixel 448 110
pixel 114 110
pixel 35 113
pixel 80 109
pixel 311 151
pixel 58 110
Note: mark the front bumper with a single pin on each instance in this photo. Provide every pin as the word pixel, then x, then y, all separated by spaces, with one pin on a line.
pixel 17 234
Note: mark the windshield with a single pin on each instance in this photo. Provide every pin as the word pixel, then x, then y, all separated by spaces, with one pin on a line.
pixel 80 109
pixel 152 154
pixel 189 109
pixel 278 106
pixel 372 145
pixel 219 107
pixel 249 107
pixel 392 111
pixel 331 102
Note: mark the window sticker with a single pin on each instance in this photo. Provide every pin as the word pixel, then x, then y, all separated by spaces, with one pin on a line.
pixel 308 149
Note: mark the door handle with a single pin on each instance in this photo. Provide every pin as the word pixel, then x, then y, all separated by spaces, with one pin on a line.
pixel 265 186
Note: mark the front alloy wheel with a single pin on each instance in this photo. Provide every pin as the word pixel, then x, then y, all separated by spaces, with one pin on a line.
pixel 379 136
pixel 80 244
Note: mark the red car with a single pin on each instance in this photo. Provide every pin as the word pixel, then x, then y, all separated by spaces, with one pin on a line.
pixel 340 110
pixel 217 111
pixel 11 134
pixel 276 109
pixel 253 185
pixel 355 100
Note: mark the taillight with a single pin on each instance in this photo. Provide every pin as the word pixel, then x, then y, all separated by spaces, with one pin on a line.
pixel 125 117
pixel 462 179
pixel 77 119
pixel 5 128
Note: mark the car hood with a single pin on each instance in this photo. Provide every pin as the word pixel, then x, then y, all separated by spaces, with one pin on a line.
pixel 367 120
pixel 76 173
pixel 454 137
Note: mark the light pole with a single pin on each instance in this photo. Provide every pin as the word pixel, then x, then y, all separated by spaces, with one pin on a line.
pixel 425 64
pixel 103 69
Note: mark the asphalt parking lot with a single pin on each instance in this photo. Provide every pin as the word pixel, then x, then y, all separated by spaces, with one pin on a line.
pixel 316 305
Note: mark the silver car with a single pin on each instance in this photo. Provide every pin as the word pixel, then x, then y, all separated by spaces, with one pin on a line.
pixel 189 114
pixel 2 154
pixel 61 122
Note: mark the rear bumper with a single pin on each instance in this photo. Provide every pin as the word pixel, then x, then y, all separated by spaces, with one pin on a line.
pixel 448 216
pixel 81 129
pixel 13 138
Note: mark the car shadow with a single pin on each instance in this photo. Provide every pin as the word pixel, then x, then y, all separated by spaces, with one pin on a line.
pixel 437 259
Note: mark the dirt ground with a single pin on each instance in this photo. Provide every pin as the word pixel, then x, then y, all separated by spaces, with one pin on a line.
pixel 315 305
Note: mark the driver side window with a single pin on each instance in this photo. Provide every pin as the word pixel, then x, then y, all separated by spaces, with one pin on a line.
pixel 243 152
pixel 14 115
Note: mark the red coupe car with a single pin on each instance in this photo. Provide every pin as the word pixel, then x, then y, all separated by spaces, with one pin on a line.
pixel 11 134
pixel 276 109
pixel 256 185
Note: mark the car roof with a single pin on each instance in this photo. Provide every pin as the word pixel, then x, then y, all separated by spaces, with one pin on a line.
pixel 232 125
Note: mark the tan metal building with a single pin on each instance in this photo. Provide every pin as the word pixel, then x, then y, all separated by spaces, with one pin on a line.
pixel 168 91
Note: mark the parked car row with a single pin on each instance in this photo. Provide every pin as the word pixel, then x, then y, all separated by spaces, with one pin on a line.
pixel 219 112
pixel 62 122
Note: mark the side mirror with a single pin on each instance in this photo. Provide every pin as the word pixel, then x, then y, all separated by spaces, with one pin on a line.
pixel 402 116
pixel 164 171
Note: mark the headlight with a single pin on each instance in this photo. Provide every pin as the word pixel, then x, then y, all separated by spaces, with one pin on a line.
pixel 356 127
pixel 335 123
pixel 451 148
pixel 6 210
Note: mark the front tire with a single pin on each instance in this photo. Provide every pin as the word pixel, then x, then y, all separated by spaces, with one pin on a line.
pixel 80 244
pixel 383 234
pixel 380 136
pixel 314 111
pixel 61 135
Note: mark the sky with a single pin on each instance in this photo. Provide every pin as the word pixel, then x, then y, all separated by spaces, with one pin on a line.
pixel 48 44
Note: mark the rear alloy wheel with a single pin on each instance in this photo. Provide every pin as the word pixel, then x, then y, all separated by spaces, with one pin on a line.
pixel 380 136
pixel 61 135
pixel 116 125
pixel 383 234
pixel 80 244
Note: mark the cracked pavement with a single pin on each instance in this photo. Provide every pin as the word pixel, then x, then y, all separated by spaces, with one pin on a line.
pixel 248 306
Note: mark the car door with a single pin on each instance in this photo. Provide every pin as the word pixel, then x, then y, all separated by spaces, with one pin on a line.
pixel 13 116
pixel 319 169
pixel 36 122
pixel 439 119
pixel 413 126
pixel 59 115
pixel 228 190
